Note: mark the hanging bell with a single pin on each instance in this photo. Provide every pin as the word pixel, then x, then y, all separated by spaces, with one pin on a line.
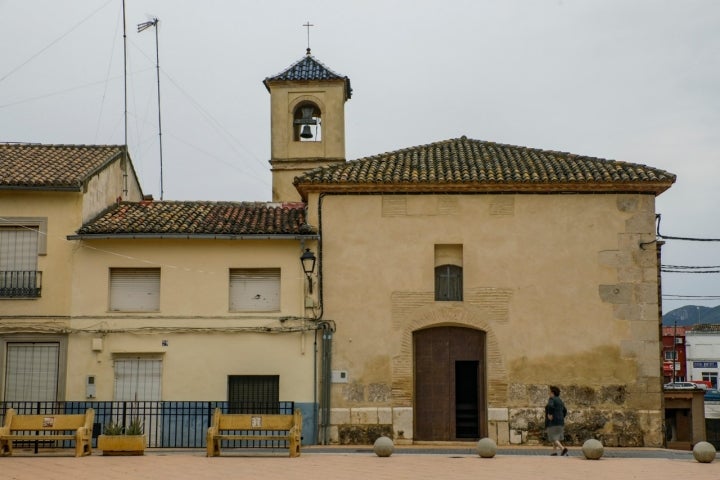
pixel 306 132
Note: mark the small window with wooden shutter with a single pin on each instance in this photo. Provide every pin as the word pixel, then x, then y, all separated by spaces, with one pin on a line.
pixel 448 273
pixel 254 289
pixel 134 289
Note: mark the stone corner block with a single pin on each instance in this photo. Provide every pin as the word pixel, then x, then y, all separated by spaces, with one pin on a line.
pixel 364 416
pixel 339 416
pixel 498 414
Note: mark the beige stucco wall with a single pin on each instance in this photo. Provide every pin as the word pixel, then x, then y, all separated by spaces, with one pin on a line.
pixel 106 187
pixel 63 212
pixel 194 295
pixel 196 366
pixel 558 282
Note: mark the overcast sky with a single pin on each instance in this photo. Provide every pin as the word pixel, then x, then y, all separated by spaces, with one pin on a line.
pixel 630 80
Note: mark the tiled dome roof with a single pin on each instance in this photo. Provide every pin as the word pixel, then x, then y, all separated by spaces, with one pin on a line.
pixel 309 68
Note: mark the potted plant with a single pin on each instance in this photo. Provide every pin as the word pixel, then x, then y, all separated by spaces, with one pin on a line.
pixel 119 440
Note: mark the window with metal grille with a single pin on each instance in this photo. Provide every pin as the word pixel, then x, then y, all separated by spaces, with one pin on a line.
pixel 134 289
pixel 254 393
pixel 254 289
pixel 19 248
pixel 31 371
pixel 448 283
pixel 138 379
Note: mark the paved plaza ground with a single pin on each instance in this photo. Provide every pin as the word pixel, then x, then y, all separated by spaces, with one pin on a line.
pixel 326 463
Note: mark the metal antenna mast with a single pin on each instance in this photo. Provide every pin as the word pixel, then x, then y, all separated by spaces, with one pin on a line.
pixel 125 155
pixel 141 27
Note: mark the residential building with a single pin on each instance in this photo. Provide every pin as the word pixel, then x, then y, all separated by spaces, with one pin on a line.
pixel 673 354
pixel 703 353
pixel 46 193
pixel 453 283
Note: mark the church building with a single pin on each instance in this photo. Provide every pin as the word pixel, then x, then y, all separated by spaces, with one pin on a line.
pixel 432 293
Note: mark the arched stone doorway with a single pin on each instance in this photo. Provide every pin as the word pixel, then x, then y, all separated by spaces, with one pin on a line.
pixel 450 379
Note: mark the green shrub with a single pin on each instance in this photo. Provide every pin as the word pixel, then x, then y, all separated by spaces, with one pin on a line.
pixel 113 428
pixel 135 427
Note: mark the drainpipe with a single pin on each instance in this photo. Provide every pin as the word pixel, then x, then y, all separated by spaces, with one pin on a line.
pixel 327 334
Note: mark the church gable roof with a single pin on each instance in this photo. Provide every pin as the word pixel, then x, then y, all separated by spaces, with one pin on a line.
pixel 64 167
pixel 192 218
pixel 466 165
pixel 309 68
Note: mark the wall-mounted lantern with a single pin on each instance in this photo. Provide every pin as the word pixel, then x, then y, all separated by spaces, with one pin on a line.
pixel 308 264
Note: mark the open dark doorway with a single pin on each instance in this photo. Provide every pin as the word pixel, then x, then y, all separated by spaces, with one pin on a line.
pixel 449 376
pixel 466 399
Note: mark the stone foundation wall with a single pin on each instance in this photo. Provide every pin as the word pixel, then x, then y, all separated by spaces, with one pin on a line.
pixel 614 427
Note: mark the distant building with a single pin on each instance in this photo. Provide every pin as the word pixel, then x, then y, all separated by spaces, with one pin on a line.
pixel 673 354
pixel 703 353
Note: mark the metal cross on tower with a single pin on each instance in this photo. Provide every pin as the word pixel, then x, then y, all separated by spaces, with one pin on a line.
pixel 308 25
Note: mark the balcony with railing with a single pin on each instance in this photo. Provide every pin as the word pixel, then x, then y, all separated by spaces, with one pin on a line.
pixel 20 284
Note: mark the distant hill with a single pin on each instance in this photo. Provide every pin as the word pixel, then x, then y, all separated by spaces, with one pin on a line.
pixel 691 315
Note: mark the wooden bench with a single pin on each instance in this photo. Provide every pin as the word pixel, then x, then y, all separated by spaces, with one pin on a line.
pixel 254 427
pixel 51 427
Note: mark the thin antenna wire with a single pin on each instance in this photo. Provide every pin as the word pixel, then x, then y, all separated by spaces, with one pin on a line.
pixel 141 27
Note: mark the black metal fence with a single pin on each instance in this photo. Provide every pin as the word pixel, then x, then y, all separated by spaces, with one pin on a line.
pixel 165 424
pixel 712 431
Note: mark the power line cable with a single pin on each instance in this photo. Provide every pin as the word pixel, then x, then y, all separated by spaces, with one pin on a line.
pixel 107 76
pixel 32 57
pixel 670 270
pixel 690 239
pixel 703 297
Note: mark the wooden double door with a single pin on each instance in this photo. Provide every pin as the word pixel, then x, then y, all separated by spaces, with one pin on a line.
pixel 450 397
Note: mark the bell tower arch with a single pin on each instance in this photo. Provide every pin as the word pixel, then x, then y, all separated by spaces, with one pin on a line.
pixel 307 122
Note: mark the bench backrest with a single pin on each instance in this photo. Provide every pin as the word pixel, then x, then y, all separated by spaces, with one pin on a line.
pixel 241 421
pixel 52 422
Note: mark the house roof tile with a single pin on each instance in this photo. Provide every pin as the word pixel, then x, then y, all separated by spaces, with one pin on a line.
pixel 309 68
pixel 52 166
pixel 466 165
pixel 149 218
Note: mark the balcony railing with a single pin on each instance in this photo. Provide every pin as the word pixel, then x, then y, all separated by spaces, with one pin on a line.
pixel 20 284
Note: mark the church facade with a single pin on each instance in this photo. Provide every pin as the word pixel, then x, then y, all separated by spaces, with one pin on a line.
pixel 444 287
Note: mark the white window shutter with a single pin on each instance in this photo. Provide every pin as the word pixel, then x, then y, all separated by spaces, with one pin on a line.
pixel 134 289
pixel 255 290
pixel 32 372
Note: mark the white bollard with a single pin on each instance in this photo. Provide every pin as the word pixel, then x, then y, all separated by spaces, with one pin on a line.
pixel 383 447
pixel 593 449
pixel 486 448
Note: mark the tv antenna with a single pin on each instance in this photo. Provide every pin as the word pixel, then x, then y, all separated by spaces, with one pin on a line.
pixel 142 27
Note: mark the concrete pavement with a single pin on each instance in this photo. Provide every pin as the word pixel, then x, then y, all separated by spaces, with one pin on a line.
pixel 320 463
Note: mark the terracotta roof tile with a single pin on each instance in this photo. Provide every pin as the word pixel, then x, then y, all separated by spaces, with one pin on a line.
pixel 463 164
pixel 52 166
pixel 309 68
pixel 200 218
